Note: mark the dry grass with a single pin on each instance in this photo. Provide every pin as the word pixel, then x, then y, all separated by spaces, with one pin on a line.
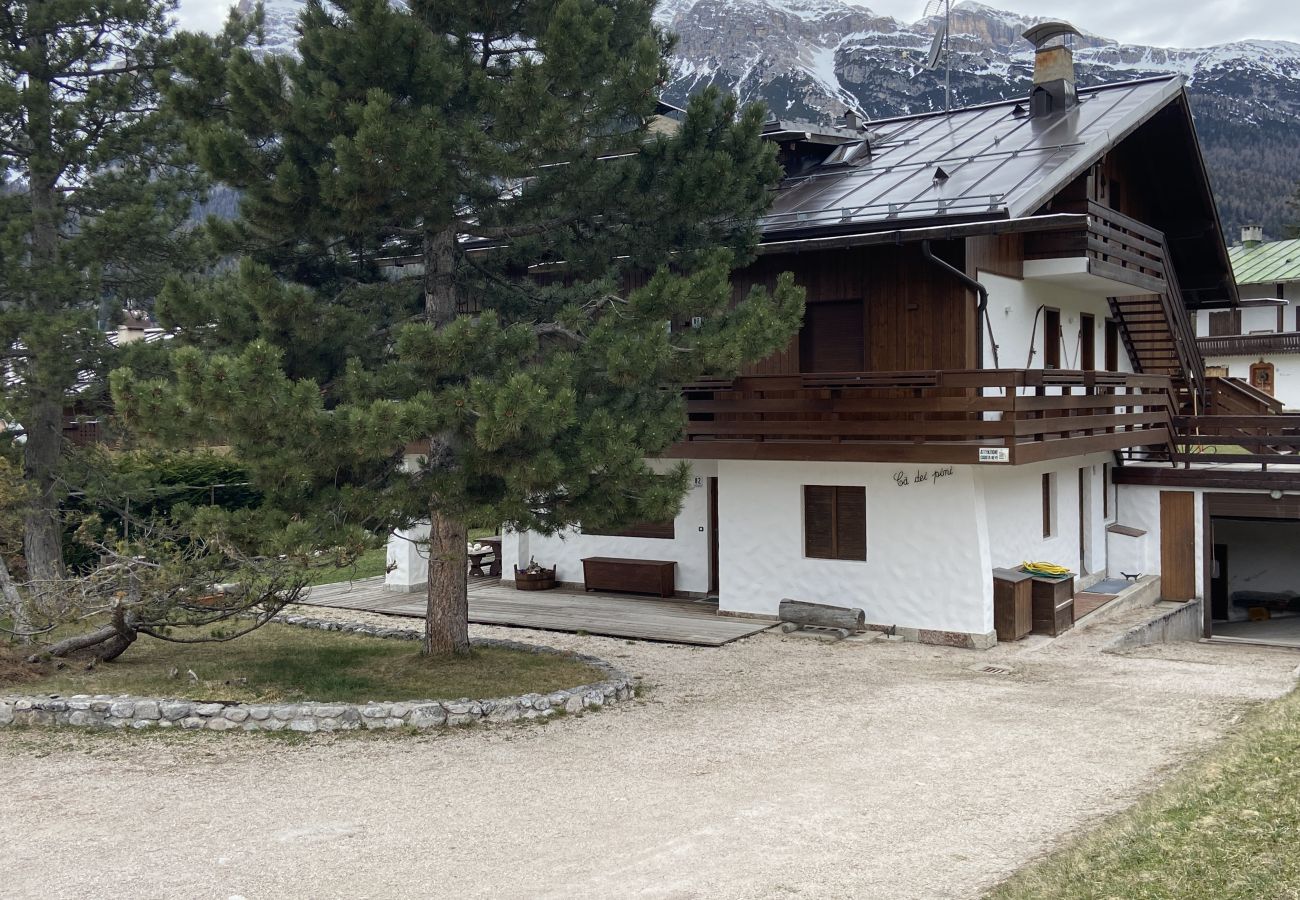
pixel 1226 827
pixel 284 663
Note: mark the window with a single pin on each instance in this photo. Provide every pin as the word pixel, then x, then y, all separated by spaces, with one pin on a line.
pixel 1227 322
pixel 833 338
pixel 1051 339
pixel 666 530
pixel 834 522
pixel 1049 505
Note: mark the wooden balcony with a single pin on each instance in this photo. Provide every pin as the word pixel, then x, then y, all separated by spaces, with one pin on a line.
pixel 994 416
pixel 1115 254
pixel 1249 344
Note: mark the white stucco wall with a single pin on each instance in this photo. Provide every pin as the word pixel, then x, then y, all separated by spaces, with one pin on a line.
pixel 1013 304
pixel 1014 500
pixel 927 560
pixel 689 546
pixel 1286 373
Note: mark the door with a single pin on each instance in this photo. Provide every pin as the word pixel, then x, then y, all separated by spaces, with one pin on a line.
pixel 1087 342
pixel 1225 323
pixel 713 535
pixel 1261 377
pixel 1177 545
pixel 1112 345
pixel 1051 339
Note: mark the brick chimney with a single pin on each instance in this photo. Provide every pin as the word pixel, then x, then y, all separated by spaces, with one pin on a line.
pixel 1053 89
pixel 1252 235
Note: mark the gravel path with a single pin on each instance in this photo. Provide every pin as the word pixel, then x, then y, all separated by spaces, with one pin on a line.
pixel 772 767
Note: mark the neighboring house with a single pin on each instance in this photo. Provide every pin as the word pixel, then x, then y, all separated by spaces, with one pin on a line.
pixel 997 364
pixel 1259 341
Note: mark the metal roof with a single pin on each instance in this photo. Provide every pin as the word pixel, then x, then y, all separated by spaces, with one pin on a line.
pixel 1266 263
pixel 980 162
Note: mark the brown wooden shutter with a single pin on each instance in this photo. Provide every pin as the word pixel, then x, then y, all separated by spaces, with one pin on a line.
pixel 1087 342
pixel 1226 322
pixel 833 338
pixel 1112 345
pixel 819 521
pixel 851 523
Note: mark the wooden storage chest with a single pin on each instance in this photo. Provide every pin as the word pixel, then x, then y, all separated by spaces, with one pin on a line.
pixel 633 576
pixel 1053 605
pixel 1013 604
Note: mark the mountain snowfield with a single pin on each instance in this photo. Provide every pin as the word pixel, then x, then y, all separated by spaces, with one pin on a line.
pixel 813 59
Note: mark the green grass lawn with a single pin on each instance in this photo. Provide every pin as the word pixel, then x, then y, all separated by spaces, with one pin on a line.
pixel 373 563
pixel 284 663
pixel 369 564
pixel 1226 827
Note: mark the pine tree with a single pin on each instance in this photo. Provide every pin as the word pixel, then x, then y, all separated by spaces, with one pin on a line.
pixel 572 271
pixel 93 193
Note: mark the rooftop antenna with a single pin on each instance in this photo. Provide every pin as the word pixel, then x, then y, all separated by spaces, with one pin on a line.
pixel 933 9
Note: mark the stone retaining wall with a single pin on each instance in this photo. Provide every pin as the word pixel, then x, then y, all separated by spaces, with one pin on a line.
pixel 105 711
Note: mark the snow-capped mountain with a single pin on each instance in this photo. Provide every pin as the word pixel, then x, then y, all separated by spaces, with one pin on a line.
pixel 813 59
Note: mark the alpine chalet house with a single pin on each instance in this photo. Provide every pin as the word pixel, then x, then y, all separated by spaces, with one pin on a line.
pixel 997 364
pixel 1259 341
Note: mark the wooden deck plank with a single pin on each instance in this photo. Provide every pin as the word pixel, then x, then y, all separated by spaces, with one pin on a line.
pixel 490 603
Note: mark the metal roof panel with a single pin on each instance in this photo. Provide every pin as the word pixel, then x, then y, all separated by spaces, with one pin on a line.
pixel 1266 263
pixel 999 163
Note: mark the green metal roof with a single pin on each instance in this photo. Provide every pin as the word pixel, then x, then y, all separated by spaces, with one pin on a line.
pixel 1266 263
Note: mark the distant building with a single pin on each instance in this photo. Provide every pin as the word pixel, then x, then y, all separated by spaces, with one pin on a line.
pixel 1259 341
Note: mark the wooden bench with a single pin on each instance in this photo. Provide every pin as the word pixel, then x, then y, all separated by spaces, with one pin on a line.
pixel 632 576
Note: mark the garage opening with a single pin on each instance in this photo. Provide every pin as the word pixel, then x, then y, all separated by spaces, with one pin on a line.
pixel 1253 569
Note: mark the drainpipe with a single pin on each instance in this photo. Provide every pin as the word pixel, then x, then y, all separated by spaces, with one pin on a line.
pixel 981 308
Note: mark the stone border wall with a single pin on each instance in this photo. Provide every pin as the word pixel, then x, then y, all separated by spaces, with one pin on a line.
pixel 106 711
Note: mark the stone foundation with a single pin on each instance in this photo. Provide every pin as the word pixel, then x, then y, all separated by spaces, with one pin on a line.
pixel 105 711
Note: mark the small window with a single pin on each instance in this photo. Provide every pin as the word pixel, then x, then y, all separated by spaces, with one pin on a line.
pixel 1049 505
pixel 1105 491
pixel 834 522
pixel 665 530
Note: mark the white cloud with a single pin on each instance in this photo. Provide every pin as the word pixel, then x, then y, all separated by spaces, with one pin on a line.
pixel 203 15
pixel 1162 23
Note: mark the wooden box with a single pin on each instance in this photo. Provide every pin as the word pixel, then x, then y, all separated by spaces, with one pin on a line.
pixel 1012 604
pixel 1053 601
pixel 633 576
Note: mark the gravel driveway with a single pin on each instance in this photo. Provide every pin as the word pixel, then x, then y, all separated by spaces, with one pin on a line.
pixel 772 767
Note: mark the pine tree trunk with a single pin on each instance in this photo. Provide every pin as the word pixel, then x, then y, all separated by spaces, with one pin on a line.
pixel 446 619
pixel 446 623
pixel 43 531
pixel 13 600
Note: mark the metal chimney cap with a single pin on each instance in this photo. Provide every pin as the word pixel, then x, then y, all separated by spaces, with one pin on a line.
pixel 1040 34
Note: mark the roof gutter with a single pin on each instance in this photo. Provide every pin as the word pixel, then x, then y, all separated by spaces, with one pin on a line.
pixel 980 307
pixel 1054 222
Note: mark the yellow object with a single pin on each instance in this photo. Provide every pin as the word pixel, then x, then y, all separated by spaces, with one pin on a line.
pixel 1258 613
pixel 1044 568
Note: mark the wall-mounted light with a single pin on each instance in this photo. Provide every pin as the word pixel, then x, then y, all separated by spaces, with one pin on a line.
pixel 1275 494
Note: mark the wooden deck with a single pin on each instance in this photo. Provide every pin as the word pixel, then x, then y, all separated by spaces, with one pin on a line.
pixel 491 603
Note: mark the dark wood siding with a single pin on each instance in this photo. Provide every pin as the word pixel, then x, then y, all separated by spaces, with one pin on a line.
pixel 1002 254
pixel 832 339
pixel 915 316
pixel 665 530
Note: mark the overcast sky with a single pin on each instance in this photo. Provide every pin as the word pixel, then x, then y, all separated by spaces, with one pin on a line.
pixel 1165 23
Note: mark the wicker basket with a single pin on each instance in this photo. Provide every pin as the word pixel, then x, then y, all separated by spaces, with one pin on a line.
pixel 534 581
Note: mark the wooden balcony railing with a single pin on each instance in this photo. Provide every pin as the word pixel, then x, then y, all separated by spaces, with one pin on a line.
pixel 952 416
pixel 1117 246
pixel 1271 441
pixel 1249 344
